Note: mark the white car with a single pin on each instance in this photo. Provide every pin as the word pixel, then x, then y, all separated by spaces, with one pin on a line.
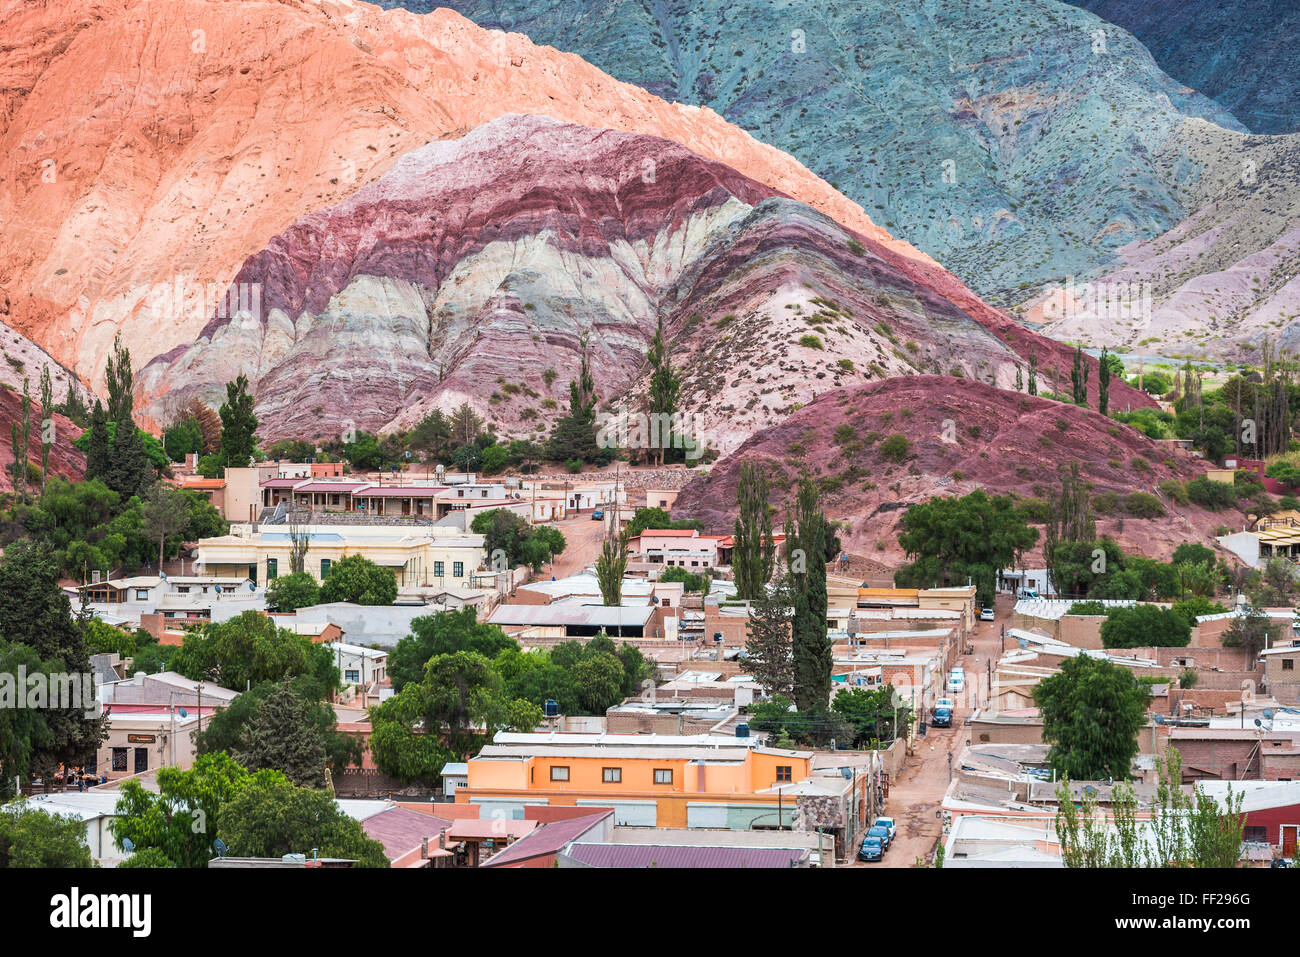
pixel 956 682
pixel 888 824
pixel 987 614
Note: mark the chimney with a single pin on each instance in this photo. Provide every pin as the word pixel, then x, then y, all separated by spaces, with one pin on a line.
pixel 424 848
pixel 442 839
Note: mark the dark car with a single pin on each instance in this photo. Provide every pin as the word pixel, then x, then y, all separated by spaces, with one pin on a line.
pixel 871 849
pixel 597 515
pixel 942 718
pixel 880 833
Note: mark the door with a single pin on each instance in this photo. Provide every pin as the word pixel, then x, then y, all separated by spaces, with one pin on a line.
pixel 141 760
pixel 1289 839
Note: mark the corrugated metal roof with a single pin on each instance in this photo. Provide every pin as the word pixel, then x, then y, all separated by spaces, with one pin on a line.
pixel 685 856
pixel 603 616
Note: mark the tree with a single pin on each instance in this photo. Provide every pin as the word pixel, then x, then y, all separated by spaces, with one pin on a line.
pixel 460 699
pixel 466 426
pixel 30 837
pixel 1253 631
pixel 1079 377
pixel 209 425
pixel 182 439
pixel 876 716
pixel 293 591
pixel 271 816
pixel 574 435
pixel 807 538
pixel 1070 517
pixel 180 821
pixel 364 453
pixel 663 391
pixel 951 539
pixel 97 452
pixel 1192 830
pixel 443 634
pixel 238 425
pixel 598 679
pixel 21 432
pixel 1033 373
pixel 768 648
pixel 228 728
pixel 510 539
pixel 356 579
pixel 282 736
pixel 119 379
pixel 165 512
pixel 293 450
pixel 1090 838
pixel 753 557
pixel 1091 711
pixel 299 541
pixel 250 649
pixel 47 423
pixel 1103 381
pixel 432 436
pixel 1145 626
pixel 36 613
pixel 611 565
pixel 655 518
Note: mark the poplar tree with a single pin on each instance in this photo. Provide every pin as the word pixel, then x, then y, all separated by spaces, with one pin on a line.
pixel 664 391
pixel 753 556
pixel 808 541
pixel 1103 384
pixel 47 423
pixel 769 648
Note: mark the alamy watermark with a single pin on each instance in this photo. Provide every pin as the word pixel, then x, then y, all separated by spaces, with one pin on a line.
pixel 187 299
pixel 1099 300
pixel 56 691
pixel 651 430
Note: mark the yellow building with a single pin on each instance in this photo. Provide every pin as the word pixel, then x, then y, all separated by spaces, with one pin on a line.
pixel 649 779
pixel 418 555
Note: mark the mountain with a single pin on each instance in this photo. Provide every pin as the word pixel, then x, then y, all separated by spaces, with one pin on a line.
pixel 1015 141
pixel 24 359
pixel 66 460
pixel 149 147
pixel 1220 282
pixel 1240 54
pixel 469 271
pixel 962 435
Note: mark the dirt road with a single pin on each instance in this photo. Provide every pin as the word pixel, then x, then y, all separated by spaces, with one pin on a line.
pixel 916 794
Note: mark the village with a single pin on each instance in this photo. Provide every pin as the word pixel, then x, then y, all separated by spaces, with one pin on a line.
pixel 940 761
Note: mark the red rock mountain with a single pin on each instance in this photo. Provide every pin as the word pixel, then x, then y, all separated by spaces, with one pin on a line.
pixel 469 270
pixel 148 145
pixel 961 435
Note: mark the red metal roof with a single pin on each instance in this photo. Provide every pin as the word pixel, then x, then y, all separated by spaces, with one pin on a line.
pixel 548 839
pixel 402 491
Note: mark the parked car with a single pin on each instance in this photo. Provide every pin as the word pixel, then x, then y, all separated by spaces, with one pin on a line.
pixel 987 614
pixel 942 717
pixel 597 515
pixel 882 833
pixel 871 849
pixel 956 682
pixel 888 824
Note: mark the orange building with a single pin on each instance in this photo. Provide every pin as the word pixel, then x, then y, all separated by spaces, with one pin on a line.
pixel 648 779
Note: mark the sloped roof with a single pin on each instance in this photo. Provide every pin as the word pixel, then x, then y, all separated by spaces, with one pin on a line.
pixel 401 830
pixel 548 839
pixel 684 856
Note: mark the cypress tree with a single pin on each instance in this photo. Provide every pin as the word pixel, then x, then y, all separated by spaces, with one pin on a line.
pixel 771 656
pixel 238 425
pixel 97 454
pixel 664 390
pixel 283 736
pixel 807 536
pixel 47 422
pixel 1103 384
pixel 752 557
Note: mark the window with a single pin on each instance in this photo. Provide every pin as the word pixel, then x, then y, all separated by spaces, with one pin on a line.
pixel 559 774
pixel 352 675
pixel 611 775
pixel 437 569
pixel 1288 664
pixel 119 759
pixel 142 594
pixel 784 772
pixel 324 568
pixel 457 569
pixel 272 569
pixel 1255 835
pixel 663 775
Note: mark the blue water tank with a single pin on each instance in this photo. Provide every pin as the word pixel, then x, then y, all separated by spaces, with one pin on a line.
pixel 742 731
pixel 550 708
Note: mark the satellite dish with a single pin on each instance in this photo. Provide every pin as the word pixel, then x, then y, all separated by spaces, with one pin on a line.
pixel 1268 714
pixel 1258 723
pixel 1090 791
pixel 128 845
pixel 162 574
pixel 220 847
pixel 1160 719
pixel 182 712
